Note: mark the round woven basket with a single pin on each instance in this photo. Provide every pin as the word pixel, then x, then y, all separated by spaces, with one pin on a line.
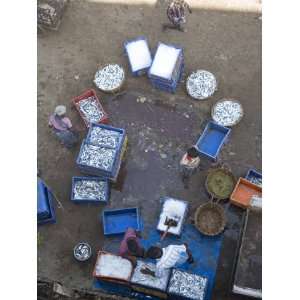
pixel 232 100
pixel 115 90
pixel 210 218
pixel 224 179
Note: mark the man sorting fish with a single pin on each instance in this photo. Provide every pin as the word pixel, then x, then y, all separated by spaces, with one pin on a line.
pixel 169 257
pixel 130 246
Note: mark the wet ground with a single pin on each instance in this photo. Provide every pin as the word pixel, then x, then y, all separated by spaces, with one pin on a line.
pixel 160 126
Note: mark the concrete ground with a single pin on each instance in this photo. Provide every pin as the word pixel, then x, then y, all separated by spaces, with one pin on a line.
pixel 226 43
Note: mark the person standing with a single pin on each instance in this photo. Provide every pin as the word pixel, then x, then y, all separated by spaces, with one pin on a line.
pixel 62 127
pixel 189 164
pixel 176 14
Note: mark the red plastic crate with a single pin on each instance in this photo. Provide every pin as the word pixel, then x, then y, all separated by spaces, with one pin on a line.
pixel 86 94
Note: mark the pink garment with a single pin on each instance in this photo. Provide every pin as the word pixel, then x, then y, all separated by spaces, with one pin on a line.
pixel 60 124
pixel 130 234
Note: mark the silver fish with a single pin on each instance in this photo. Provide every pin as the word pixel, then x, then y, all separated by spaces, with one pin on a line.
pixel 90 189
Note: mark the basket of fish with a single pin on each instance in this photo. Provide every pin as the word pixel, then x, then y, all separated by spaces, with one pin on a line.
pixel 187 286
pixel 139 55
pixel 82 251
pixel 90 108
pixel 220 183
pixel 201 84
pixel 227 112
pixel 110 78
pixel 112 268
pixel 90 190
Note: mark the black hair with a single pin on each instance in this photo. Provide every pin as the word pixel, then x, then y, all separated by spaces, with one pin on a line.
pixel 132 246
pixel 192 152
pixel 154 252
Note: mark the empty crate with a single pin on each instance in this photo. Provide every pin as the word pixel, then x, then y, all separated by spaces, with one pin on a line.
pixel 212 140
pixel 116 221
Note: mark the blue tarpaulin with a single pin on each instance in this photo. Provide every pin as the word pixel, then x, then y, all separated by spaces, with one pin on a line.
pixel 205 251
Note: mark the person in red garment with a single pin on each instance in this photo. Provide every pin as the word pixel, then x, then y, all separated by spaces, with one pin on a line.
pixel 130 246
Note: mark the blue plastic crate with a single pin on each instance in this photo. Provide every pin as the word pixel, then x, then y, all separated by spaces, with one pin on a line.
pixel 80 178
pixel 253 173
pixel 45 209
pixel 116 221
pixel 119 130
pixel 141 71
pixel 163 200
pixel 212 139
pixel 171 88
pixel 97 171
pixel 177 65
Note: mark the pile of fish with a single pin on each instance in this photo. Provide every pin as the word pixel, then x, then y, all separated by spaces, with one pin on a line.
pixel 97 157
pixel 255 180
pixel 227 112
pixel 90 190
pixel 159 283
pixel 82 251
pixel 113 266
pixel 109 78
pixel 188 285
pixel 104 137
pixel 91 110
pixel 201 84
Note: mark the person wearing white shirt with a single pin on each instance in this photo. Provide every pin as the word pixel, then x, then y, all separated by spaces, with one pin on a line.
pixel 169 257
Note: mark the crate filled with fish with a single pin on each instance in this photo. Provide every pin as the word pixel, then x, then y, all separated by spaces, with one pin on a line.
pixel 90 190
pixel 139 55
pixel 90 108
pixel 254 177
pixel 147 284
pixel 172 209
pixel 107 136
pixel 111 267
pixel 212 140
pixel 187 286
pixel 167 67
pixel 98 160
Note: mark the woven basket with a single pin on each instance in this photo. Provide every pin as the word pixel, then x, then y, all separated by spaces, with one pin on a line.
pixel 211 174
pixel 232 100
pixel 210 218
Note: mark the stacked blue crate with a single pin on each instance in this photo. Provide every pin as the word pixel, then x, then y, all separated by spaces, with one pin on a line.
pixel 105 173
pixel 45 209
pixel 140 71
pixel 168 84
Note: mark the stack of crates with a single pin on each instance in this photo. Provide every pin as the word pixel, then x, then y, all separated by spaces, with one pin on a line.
pixel 167 67
pixel 111 173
